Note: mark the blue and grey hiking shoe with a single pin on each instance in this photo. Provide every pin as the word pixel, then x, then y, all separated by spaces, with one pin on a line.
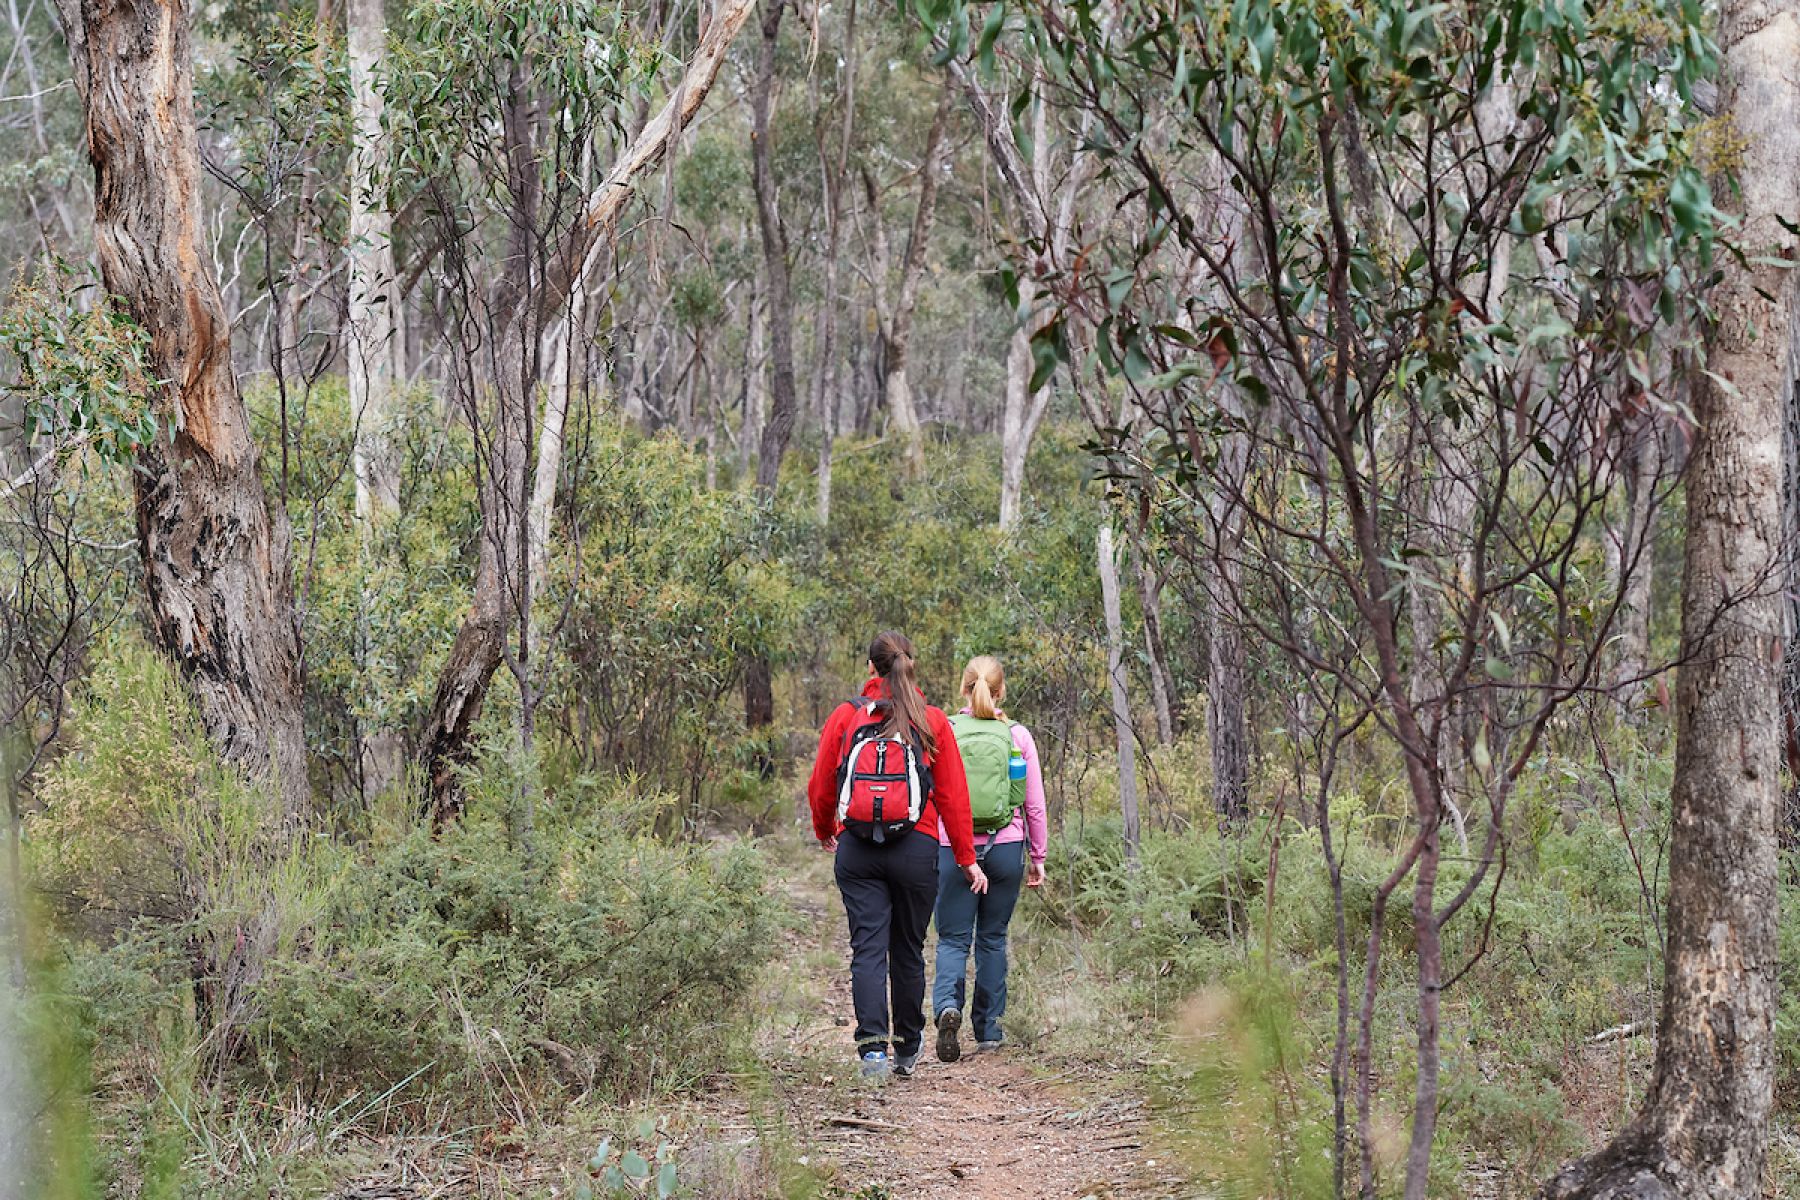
pixel 906 1064
pixel 949 1049
pixel 875 1065
pixel 990 1044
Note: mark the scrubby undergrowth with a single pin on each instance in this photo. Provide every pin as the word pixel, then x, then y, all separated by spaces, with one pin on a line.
pixel 1215 964
pixel 238 993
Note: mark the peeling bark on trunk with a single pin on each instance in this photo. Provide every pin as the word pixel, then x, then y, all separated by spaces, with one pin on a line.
pixel 215 553
pixel 1703 1130
pixel 1790 540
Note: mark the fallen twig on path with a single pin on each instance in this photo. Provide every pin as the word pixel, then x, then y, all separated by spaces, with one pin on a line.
pixel 865 1123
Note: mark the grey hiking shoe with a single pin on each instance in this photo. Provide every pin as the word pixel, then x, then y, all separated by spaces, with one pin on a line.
pixel 990 1045
pixel 949 1049
pixel 906 1064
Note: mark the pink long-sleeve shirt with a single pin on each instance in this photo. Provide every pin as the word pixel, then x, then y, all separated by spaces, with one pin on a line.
pixel 1032 822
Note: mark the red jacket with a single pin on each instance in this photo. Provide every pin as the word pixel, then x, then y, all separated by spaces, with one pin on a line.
pixel 949 789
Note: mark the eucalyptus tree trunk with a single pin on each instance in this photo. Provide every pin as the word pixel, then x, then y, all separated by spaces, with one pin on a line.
pixel 1021 414
pixel 1150 601
pixel 371 346
pixel 215 553
pixel 759 695
pixel 828 376
pixel 1227 700
pixel 783 394
pixel 1703 1130
pixel 22 51
pixel 1790 539
pixel 1121 700
pixel 560 387
pixel 1227 689
pixel 828 373
pixel 756 402
pixel 1023 409
pixel 498 389
pixel 1028 186
pixel 896 317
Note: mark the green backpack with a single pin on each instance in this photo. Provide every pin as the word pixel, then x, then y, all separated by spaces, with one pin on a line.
pixel 995 797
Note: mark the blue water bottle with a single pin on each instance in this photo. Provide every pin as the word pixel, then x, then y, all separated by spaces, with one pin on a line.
pixel 1015 765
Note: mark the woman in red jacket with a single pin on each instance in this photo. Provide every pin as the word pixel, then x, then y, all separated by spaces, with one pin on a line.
pixel 887 771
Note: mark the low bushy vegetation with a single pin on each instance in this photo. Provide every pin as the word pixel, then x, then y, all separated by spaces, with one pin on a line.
pixel 1215 962
pixel 396 983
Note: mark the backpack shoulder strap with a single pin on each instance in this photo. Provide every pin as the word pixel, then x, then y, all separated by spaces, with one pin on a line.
pixel 866 707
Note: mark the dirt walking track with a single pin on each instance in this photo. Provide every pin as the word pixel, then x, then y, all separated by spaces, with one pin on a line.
pixel 1008 1125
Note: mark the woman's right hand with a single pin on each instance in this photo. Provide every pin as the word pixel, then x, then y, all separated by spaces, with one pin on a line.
pixel 977 878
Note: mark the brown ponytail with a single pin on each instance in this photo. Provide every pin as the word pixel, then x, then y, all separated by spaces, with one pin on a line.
pixel 891 654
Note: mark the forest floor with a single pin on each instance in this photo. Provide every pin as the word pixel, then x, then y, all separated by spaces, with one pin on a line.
pixel 1012 1124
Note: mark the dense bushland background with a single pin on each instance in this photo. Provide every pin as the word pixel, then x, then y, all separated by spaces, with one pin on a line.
pixel 610 954
pixel 1369 336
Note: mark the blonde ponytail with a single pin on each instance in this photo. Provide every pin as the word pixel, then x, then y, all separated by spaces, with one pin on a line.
pixel 984 687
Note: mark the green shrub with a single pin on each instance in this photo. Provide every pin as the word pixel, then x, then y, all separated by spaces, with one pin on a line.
pixel 663 590
pixel 601 956
pixel 1261 1124
pixel 151 845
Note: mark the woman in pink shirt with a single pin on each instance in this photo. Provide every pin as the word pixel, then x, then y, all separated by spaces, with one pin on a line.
pixel 1010 856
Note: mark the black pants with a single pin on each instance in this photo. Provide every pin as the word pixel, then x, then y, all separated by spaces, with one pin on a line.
pixel 888 893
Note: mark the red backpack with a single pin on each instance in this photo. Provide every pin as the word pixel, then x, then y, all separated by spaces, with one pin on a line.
pixel 883 782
